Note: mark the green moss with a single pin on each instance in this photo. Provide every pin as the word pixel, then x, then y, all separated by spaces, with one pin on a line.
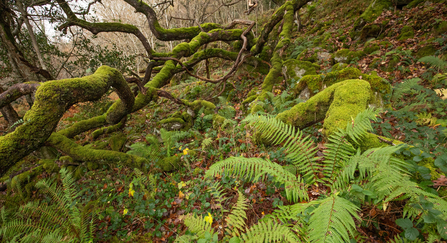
pixel 198 104
pixel 80 153
pixel 370 47
pixel 414 3
pixel 428 50
pixel 339 66
pixel 170 163
pixel 392 63
pixel 370 31
pixel 304 56
pixel 295 69
pixel 117 141
pixel 97 145
pixel 218 120
pixel 25 181
pixel 441 28
pixel 316 83
pixel 335 105
pixel 51 102
pixel 346 56
pixel 407 32
pixel 371 13
pixel 385 44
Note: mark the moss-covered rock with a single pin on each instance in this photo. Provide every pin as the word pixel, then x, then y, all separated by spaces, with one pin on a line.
pixel 407 32
pixel 346 56
pixel 441 28
pixel 295 69
pixel 371 13
pixel 173 123
pixel 370 31
pixel 335 105
pixel 316 83
pixel 428 50
pixel 370 47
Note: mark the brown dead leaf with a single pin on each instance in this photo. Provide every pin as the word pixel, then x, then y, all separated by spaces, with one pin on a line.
pixel 441 181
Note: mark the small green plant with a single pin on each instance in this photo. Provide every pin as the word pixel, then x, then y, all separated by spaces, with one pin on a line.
pixel 61 221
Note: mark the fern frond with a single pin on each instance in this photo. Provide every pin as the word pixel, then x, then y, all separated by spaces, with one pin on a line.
pixel 197 225
pixel 218 193
pixel 299 148
pixel 269 232
pixel 399 239
pixel 405 87
pixel 185 239
pixel 361 124
pixel 236 219
pixel 295 187
pixel 435 62
pixel 332 220
pixel 206 143
pixel 241 167
pixel 145 151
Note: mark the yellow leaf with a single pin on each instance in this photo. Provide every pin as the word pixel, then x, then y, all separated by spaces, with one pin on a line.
pixel 181 195
pixel 125 211
pixel 209 219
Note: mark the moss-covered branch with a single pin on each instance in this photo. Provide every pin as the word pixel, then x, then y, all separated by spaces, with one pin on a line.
pixel 227 55
pixel 274 20
pixel 168 34
pixel 276 60
pixel 53 98
pixel 80 153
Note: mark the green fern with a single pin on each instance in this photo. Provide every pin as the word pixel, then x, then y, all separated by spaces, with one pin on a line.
pixel 269 232
pixel 235 220
pixel 332 220
pixel 218 193
pixel 299 148
pixel 436 62
pixel 206 143
pixel 62 221
pixel 255 169
pixel 197 225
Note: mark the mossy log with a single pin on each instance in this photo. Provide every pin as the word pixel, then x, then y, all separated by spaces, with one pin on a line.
pixel 336 105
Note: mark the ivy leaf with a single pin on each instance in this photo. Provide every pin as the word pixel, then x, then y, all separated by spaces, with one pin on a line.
pixel 411 233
